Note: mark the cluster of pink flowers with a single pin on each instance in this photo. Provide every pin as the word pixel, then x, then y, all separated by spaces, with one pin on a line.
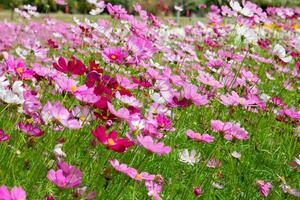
pixel 230 130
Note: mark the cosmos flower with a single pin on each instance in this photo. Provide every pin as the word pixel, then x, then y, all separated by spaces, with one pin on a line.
pixel 189 158
pixel 67 176
pixel 264 187
pixel 148 143
pixel 198 137
pixel 17 193
pixel 29 129
pixel 111 140
pixel 114 55
pixel 3 137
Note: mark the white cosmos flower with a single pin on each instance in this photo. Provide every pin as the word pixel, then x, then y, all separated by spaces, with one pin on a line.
pixel 189 158
pixel 281 53
pixel 297 160
pixel 249 34
pixel 238 8
pixel 58 151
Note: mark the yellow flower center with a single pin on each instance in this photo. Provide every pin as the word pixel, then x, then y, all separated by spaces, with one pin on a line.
pixel 113 57
pixel 110 142
pixel 19 70
pixel 199 137
pixel 82 118
pixel 73 88
pixel 138 176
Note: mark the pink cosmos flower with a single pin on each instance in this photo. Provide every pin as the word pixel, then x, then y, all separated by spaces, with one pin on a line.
pixel 158 148
pixel 154 188
pixel 190 93
pixel 3 137
pixel 57 112
pixel 111 140
pixel 131 172
pixel 141 48
pixel 122 113
pixel 264 187
pixel 66 176
pixel 85 94
pixel 163 122
pixel 18 66
pixel 231 131
pixel 117 11
pixel 114 55
pixel 198 137
pixel 17 193
pixel 129 100
pixel 29 129
pixel 31 103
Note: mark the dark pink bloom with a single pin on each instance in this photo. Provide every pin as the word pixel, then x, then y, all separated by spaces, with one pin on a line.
pixel 197 191
pixel 74 66
pixel 66 176
pixel 17 193
pixel 198 137
pixel 111 140
pixel 264 187
pixel 3 137
pixel 158 148
pixel 29 129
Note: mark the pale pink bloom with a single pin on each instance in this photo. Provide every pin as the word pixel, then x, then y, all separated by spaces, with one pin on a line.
pixel 236 154
pixel 131 172
pixel 213 163
pixel 190 93
pixel 231 131
pixel 122 113
pixel 131 101
pixel 125 83
pixel 85 94
pixel 198 137
pixel 57 112
pixel 264 187
pixel 158 148
pixel 154 189
pixel 17 193
pixel 208 80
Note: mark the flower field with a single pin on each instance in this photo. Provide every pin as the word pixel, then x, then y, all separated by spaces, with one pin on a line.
pixel 136 107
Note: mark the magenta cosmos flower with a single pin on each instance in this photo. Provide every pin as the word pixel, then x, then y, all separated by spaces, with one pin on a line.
pixel 17 193
pixel 3 137
pixel 114 55
pixel 148 143
pixel 66 176
pixel 29 129
pixel 111 140
pixel 264 187
pixel 198 137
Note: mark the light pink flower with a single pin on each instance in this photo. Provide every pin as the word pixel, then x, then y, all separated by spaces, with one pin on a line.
pixel 158 148
pixel 17 193
pixel 131 172
pixel 198 137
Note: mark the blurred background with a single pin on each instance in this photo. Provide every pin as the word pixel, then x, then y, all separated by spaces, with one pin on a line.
pixel 157 7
